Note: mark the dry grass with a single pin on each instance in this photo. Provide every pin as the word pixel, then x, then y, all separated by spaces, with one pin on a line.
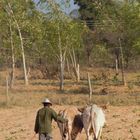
pixel 105 90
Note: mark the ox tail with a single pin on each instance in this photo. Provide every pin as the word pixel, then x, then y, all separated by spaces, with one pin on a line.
pixel 94 121
pixel 97 119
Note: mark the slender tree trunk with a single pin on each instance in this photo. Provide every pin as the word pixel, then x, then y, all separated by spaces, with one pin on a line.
pixel 7 90
pixel 23 56
pixel 88 56
pixel 76 67
pixel 68 67
pixel 12 74
pixel 116 66
pixel 21 43
pixel 78 72
pixel 61 59
pixel 122 64
pixel 61 74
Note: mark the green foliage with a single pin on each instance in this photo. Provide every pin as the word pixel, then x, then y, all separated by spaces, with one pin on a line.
pixel 136 46
pixel 23 13
pixel 111 20
pixel 106 21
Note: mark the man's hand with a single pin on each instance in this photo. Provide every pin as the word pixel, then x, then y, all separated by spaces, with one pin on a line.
pixel 34 136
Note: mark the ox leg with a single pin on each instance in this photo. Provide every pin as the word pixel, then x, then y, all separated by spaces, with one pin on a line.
pixel 95 138
pixel 87 133
pixel 99 136
pixel 69 130
pixel 69 136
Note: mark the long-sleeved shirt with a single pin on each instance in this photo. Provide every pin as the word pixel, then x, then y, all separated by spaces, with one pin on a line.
pixel 44 117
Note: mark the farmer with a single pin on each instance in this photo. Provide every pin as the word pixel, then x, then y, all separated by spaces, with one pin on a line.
pixel 43 123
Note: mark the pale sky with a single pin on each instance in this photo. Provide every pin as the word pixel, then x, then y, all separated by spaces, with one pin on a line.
pixel 66 9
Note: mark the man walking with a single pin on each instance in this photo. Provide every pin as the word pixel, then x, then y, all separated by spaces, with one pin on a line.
pixel 43 123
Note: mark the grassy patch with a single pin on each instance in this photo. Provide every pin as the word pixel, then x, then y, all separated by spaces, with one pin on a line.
pixel 75 93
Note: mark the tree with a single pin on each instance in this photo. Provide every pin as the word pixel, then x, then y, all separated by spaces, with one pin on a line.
pixel 63 34
pixel 111 20
pixel 21 15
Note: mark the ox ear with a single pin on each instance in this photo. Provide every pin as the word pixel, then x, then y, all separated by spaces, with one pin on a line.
pixel 60 112
pixel 65 112
pixel 81 109
pixel 105 106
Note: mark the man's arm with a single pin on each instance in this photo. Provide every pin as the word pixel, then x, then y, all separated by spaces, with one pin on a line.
pixel 57 117
pixel 36 128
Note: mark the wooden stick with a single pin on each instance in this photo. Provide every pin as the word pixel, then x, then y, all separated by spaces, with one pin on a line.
pixel 90 88
pixel 122 63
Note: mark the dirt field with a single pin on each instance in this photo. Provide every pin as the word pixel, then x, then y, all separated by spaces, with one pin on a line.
pixel 123 123
pixel 122 115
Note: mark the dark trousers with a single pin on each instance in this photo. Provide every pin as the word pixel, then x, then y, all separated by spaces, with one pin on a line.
pixel 45 137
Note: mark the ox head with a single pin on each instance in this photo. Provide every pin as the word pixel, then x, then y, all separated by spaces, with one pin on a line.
pixel 77 126
pixel 63 127
pixel 81 110
pixel 70 129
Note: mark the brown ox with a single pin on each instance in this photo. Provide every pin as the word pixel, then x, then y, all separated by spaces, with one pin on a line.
pixel 93 119
pixel 70 130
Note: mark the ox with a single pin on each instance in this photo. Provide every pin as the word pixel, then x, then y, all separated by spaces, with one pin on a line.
pixel 70 130
pixel 93 119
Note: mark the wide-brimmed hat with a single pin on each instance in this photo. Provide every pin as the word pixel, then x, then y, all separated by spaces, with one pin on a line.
pixel 47 101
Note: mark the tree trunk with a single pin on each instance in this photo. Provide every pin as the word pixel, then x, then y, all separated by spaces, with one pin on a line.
pixel 12 74
pixel 68 67
pixel 61 59
pixel 122 65
pixel 78 72
pixel 61 74
pixel 88 56
pixel 7 90
pixel 23 57
pixel 76 67
pixel 116 66
pixel 21 44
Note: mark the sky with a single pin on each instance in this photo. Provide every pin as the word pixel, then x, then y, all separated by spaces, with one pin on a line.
pixel 67 9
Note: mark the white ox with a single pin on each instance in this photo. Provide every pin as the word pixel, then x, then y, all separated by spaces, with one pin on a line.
pixel 93 119
pixel 70 130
